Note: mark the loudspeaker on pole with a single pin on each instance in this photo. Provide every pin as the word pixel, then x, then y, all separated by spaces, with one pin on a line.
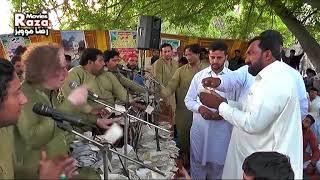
pixel 148 32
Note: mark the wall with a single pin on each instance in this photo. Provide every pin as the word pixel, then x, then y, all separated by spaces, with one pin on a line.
pixel 100 39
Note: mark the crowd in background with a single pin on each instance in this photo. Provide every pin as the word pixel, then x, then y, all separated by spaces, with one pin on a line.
pixel 204 117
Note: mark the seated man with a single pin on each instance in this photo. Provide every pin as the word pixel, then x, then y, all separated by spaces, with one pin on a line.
pixel 310 159
pixel 267 165
pixel 12 99
pixel 134 74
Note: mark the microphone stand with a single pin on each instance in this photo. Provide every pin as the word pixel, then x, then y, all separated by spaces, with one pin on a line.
pixel 157 88
pixel 104 149
pixel 130 116
pixel 126 126
pixel 157 109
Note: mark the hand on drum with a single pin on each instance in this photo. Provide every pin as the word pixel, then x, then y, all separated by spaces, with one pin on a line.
pixel 100 112
pixel 211 100
pixel 211 82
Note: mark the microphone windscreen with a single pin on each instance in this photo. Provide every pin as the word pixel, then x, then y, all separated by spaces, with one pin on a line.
pixel 41 109
pixel 74 84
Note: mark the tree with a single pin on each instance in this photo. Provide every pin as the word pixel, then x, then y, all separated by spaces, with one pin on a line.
pixel 205 18
pixel 308 43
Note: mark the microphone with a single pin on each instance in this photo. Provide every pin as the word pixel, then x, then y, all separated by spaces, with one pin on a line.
pixel 135 70
pixel 75 84
pixel 138 71
pixel 45 110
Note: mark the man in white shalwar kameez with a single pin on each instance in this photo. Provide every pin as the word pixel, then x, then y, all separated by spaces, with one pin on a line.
pixel 209 139
pixel 268 119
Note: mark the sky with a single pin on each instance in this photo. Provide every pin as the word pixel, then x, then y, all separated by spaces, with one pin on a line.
pixel 5 15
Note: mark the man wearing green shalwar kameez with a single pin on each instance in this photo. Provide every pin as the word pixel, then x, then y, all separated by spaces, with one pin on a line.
pixel 163 70
pixel 179 84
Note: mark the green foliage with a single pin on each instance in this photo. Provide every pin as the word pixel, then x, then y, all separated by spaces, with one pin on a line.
pixel 201 18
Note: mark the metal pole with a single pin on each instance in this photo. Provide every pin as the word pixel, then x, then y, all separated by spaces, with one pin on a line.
pixel 125 148
pixel 104 147
pixel 104 151
pixel 132 117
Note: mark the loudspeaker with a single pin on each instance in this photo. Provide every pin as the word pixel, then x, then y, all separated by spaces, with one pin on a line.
pixel 149 32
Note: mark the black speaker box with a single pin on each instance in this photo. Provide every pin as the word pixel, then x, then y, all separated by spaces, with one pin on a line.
pixel 148 32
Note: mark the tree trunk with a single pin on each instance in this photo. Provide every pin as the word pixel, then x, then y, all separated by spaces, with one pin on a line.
pixel 307 41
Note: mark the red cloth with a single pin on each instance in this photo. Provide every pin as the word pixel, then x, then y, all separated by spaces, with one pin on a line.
pixel 310 138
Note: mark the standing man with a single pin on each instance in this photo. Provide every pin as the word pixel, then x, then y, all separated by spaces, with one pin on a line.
pixel 268 119
pixel 236 62
pixel 308 80
pixel 155 55
pixel 134 73
pixel 163 70
pixel 294 61
pixel 209 138
pixel 179 84
pixel 241 80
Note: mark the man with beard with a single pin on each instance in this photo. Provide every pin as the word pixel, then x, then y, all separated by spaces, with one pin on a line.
pixel 268 118
pixel 91 66
pixel 179 84
pixel 241 80
pixel 163 70
pixel 209 139
pixel 236 62
pixel 155 55
pixel 113 69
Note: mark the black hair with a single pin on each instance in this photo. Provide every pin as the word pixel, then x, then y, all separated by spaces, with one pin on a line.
pixel 183 60
pixel 108 54
pixel 311 118
pixel 276 35
pixel 313 89
pixel 89 54
pixel 195 48
pixel 309 70
pixel 253 39
pixel 204 50
pixel 271 40
pixel 204 53
pixel 68 57
pixel 267 166
pixel 20 50
pixel 165 45
pixel 218 45
pixel 15 59
pixel 81 48
pixel 6 76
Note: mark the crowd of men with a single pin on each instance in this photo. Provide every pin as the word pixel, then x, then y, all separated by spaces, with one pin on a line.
pixel 252 120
